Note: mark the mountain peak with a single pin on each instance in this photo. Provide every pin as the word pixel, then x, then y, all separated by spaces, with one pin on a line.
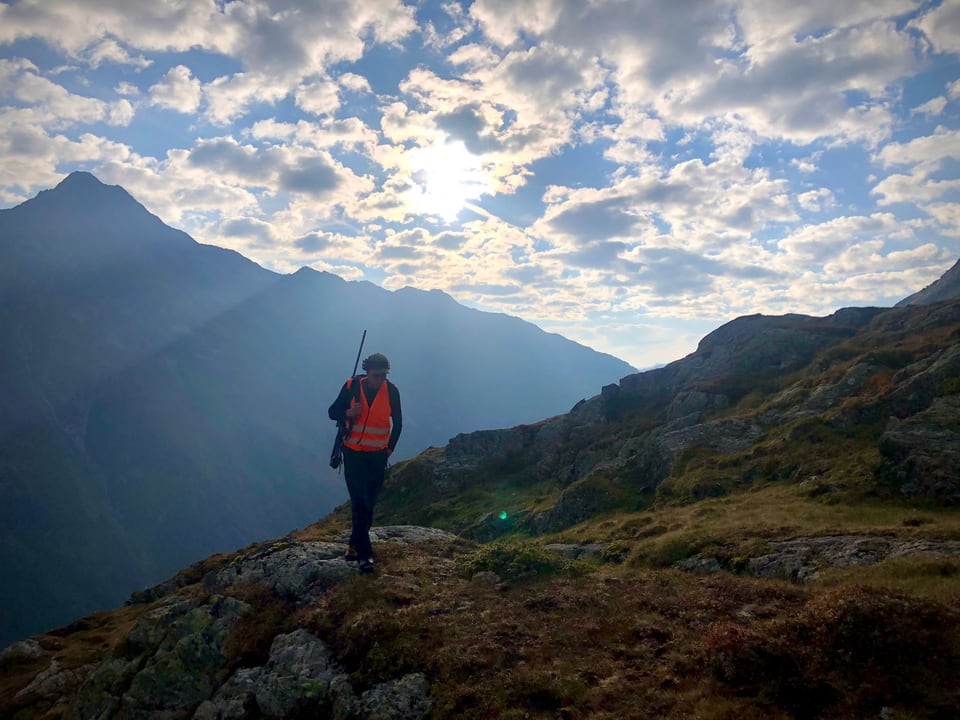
pixel 83 192
pixel 80 178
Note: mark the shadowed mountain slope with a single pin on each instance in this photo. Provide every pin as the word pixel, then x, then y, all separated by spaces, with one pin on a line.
pixel 164 399
pixel 946 287
pixel 89 284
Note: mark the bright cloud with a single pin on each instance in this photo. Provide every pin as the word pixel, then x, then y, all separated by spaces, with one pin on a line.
pixel 178 90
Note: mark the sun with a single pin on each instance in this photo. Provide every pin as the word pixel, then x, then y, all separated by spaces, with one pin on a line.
pixel 448 176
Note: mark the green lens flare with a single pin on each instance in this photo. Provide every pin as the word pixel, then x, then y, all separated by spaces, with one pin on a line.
pixel 503 514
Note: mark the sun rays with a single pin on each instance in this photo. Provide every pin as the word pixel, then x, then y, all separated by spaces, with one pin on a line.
pixel 447 176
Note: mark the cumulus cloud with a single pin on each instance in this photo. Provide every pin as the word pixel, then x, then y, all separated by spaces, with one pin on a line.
pixel 354 83
pixel 273 36
pixel 691 63
pixel 921 158
pixel 800 92
pixel 32 157
pixel 54 106
pixel 948 217
pixel 933 106
pixel 922 150
pixel 110 51
pixel 230 96
pixel 317 176
pixel 703 204
pixel 227 157
pixel 178 90
pixel 778 21
pixel 816 200
pixel 819 244
pixel 319 96
pixel 75 27
pixel 256 232
pixel 916 188
pixel 291 168
pixel 127 89
pixel 942 26
pixel 807 165
pixel 600 219
pixel 320 242
pixel 276 44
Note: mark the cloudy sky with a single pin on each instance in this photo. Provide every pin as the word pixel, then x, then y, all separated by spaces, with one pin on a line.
pixel 629 173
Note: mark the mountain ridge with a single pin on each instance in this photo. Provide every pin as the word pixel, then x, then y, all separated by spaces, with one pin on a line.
pixel 946 287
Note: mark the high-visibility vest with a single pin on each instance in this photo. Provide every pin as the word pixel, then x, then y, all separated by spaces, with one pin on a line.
pixel 370 430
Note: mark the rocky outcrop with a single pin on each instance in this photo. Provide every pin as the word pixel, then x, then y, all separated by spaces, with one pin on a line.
pixel 298 678
pixel 916 386
pixel 176 660
pixel 296 571
pixel 575 504
pixel 402 699
pixel 724 436
pixel 577 551
pixel 801 559
pixel 169 662
pixel 743 350
pixel 923 451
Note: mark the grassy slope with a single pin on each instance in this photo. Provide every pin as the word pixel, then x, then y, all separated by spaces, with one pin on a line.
pixel 631 638
pixel 624 636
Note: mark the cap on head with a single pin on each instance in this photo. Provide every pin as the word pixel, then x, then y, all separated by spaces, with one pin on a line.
pixel 376 363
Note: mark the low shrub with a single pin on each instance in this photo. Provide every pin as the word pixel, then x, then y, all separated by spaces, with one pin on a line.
pixel 513 561
pixel 846 654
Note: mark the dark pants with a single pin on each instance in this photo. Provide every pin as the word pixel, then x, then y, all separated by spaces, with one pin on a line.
pixel 364 473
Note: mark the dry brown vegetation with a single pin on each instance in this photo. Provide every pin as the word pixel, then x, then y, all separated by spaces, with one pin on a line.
pixel 508 630
pixel 632 639
pixel 73 647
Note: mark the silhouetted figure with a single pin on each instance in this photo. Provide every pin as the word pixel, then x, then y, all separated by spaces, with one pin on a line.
pixel 369 404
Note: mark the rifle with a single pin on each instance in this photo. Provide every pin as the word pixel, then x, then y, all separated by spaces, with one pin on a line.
pixel 343 427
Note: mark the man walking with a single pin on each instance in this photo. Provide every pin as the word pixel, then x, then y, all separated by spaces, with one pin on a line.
pixel 369 404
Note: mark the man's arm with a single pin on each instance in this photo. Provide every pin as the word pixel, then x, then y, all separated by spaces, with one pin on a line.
pixel 396 414
pixel 338 411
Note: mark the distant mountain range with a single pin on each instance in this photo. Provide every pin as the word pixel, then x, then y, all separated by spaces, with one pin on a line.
pixel 163 399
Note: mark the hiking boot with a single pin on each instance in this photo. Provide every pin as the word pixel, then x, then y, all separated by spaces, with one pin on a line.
pixel 351 555
pixel 366 566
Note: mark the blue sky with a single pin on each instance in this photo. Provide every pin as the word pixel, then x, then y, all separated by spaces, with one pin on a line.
pixel 628 174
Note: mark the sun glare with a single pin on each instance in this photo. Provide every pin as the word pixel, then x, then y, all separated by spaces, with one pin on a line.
pixel 448 175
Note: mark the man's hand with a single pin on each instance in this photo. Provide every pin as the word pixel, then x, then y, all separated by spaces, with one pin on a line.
pixel 353 412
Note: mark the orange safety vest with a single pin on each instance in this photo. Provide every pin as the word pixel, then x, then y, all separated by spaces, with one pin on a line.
pixel 371 429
